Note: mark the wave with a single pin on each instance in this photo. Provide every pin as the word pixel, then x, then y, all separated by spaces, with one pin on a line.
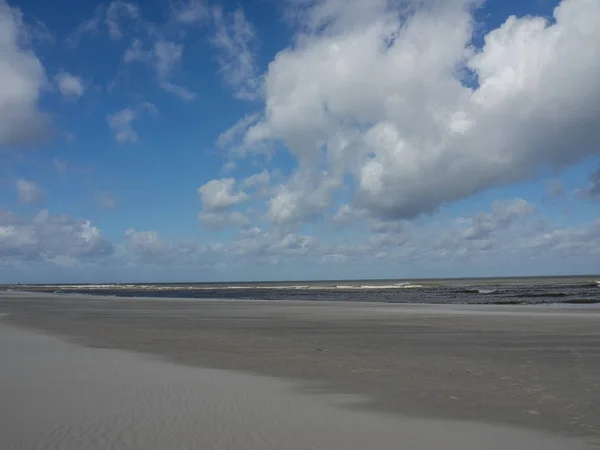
pixel 582 301
pixel 390 286
pixel 507 302
pixel 591 284
pixel 540 295
pixel 576 301
pixel 478 291
pixel 313 287
pixel 191 287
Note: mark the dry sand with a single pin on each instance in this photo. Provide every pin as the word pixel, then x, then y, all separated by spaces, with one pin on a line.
pixel 384 376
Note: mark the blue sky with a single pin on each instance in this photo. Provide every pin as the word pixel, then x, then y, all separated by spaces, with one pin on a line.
pixel 208 141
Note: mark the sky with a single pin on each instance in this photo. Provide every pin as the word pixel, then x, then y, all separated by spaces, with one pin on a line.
pixel 198 140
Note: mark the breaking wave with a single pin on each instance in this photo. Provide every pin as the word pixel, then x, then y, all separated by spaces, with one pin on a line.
pixel 478 291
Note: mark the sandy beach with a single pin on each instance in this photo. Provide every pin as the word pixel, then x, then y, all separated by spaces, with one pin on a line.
pixel 94 372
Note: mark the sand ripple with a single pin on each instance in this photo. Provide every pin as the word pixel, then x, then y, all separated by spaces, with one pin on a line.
pixel 61 396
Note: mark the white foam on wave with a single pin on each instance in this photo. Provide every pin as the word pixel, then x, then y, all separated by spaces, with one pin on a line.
pixel 240 286
pixel 391 286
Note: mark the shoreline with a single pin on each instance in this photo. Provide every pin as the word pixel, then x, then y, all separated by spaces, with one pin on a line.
pixel 566 307
pixel 527 366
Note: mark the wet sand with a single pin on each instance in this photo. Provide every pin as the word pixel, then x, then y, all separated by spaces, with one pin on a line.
pixel 528 376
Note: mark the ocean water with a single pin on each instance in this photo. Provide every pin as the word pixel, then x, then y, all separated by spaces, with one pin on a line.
pixel 510 291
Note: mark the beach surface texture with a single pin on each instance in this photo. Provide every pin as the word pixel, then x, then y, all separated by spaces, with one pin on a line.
pixel 125 373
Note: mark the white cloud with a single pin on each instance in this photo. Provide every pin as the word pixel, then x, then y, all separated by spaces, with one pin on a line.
pixel 517 235
pixel 347 214
pixel 219 195
pixel 222 219
pixel 227 137
pixel 190 12
pixel 334 16
pixel 121 122
pixel 228 167
pixel 38 33
pixel 335 258
pixel 22 77
pixel 236 40
pixel 60 165
pixel 164 57
pixel 116 12
pixel 257 180
pixel 149 248
pixel 371 95
pixel 29 193
pixel 69 85
pixel 555 188
pixel 167 56
pixel 503 215
pixel 146 243
pixel 182 92
pixel 572 241
pixel 271 246
pixel 302 199
pixel 106 199
pixel 136 52
pixel 87 27
pixel 48 238
pixel 592 189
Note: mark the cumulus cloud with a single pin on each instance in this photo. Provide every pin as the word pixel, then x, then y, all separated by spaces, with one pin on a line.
pixel 222 219
pixel 121 122
pixel 147 243
pixel 149 248
pixel 503 214
pixel 405 108
pixel 236 40
pixel 238 129
pixel 517 234
pixel 257 180
pixel 29 193
pixel 228 167
pixel 22 78
pixel 572 241
pixel 69 85
pixel 219 195
pixel 347 214
pixel 48 238
pixel 271 246
pixel 302 199
pixel 510 229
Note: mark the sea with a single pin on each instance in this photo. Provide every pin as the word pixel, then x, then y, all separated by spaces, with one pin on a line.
pixel 562 290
